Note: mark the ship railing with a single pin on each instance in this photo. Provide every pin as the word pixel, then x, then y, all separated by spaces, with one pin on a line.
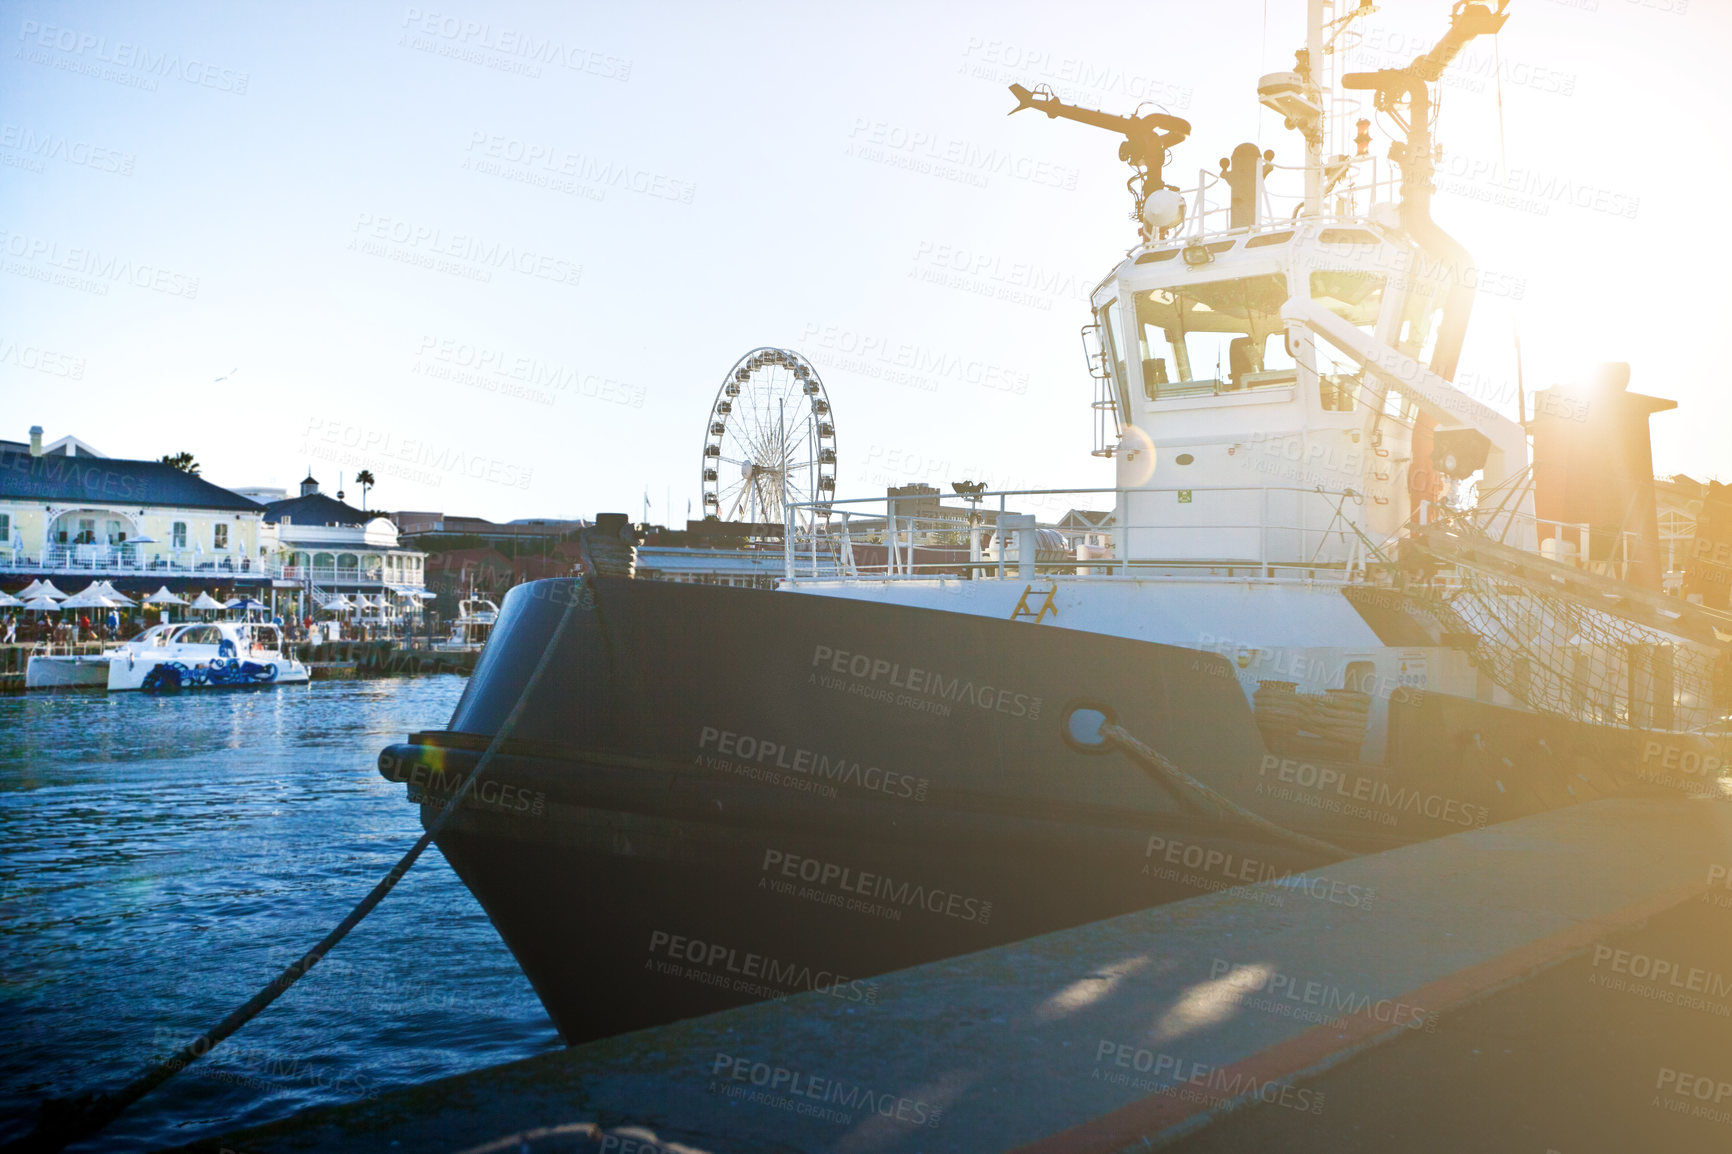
pixel 1368 183
pixel 1243 532
pixel 1601 551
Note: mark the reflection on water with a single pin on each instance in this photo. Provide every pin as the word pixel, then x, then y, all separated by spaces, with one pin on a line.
pixel 161 858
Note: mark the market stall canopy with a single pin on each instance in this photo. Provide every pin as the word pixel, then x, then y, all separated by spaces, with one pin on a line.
pixel 245 604
pixel 206 601
pixel 41 604
pixel 164 597
pixel 7 601
pixel 47 589
pixel 338 604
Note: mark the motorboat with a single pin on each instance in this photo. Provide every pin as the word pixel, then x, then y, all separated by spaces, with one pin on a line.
pixel 476 617
pixel 186 655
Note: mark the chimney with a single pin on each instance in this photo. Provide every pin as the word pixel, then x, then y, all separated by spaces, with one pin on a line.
pixel 35 440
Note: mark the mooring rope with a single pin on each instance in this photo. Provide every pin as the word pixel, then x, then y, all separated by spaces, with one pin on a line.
pixel 1170 775
pixel 67 1120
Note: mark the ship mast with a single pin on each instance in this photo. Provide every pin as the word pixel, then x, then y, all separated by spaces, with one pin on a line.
pixel 1314 137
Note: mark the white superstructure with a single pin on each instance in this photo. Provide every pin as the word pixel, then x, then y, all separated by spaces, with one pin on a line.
pixel 1275 387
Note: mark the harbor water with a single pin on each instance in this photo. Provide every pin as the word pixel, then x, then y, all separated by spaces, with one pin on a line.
pixel 162 858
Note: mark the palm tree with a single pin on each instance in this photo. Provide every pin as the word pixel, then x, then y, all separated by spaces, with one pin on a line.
pixel 182 461
pixel 365 479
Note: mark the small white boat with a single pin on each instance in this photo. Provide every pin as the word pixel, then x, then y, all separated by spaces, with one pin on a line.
pixel 476 617
pixel 195 655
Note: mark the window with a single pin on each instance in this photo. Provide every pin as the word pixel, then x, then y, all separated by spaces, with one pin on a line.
pixel 1351 294
pixel 220 536
pixel 86 531
pixel 5 528
pixel 116 533
pixel 177 535
pixel 1216 337
pixel 1113 344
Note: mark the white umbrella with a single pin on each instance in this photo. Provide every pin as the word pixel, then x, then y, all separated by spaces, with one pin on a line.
pixel 90 598
pixel 47 589
pixel 338 604
pixel 34 589
pixel 206 601
pixel 7 601
pixel 41 604
pixel 164 597
pixel 115 595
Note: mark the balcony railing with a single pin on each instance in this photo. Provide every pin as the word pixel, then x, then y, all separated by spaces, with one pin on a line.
pixel 127 561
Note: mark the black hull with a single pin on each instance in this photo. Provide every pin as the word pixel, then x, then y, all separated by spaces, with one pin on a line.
pixel 717 796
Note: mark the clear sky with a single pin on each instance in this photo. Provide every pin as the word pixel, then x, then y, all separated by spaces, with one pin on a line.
pixel 502 254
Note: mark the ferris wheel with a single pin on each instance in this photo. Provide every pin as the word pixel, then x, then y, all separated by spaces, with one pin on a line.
pixel 770 441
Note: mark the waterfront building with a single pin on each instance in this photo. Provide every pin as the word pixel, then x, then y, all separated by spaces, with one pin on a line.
pixel 474 555
pixel 69 511
pixel 322 547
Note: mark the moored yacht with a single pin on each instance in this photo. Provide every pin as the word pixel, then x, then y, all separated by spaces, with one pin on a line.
pixel 1345 606
pixel 475 619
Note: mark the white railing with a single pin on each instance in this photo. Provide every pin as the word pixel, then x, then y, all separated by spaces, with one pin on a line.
pixel 1566 542
pixel 1208 205
pixel 1279 532
pixel 125 561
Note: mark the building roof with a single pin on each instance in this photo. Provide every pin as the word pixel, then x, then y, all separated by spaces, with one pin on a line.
pixel 415 523
pixel 77 479
pixel 316 509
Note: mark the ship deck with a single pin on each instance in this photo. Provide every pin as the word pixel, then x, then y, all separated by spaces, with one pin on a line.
pixel 1445 995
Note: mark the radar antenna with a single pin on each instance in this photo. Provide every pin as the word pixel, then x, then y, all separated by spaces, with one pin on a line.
pixel 1144 148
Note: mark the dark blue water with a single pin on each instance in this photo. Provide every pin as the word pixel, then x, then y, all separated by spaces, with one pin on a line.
pixel 161 858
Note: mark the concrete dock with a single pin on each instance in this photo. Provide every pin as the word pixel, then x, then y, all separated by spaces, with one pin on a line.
pixel 1261 1012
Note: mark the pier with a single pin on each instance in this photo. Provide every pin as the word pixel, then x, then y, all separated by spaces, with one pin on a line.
pixel 1159 1027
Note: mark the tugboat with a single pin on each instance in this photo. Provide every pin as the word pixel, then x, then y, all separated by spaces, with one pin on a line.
pixel 1346 606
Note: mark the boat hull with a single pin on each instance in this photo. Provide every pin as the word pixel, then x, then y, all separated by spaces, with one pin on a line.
pixel 717 795
pixel 79 672
pixel 161 674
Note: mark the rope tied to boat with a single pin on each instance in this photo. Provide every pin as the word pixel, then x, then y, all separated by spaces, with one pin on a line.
pixel 1179 782
pixel 66 1120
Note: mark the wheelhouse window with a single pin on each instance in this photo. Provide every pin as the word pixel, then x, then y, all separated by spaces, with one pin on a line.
pixel 1112 333
pixel 1353 295
pixel 1212 338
